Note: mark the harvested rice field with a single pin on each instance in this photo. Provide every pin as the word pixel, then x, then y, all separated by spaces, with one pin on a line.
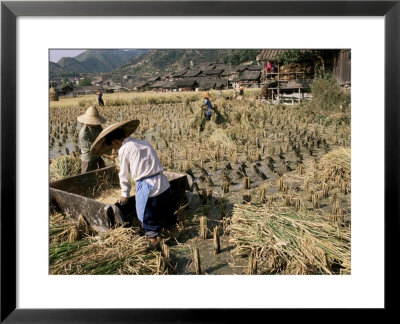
pixel 270 187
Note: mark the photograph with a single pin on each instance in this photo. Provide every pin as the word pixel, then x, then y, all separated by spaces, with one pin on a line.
pixel 200 161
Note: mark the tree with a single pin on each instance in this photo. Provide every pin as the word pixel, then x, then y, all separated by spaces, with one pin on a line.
pixel 85 82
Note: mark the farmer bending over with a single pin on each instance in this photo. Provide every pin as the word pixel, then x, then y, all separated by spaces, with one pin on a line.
pixel 139 160
pixel 91 128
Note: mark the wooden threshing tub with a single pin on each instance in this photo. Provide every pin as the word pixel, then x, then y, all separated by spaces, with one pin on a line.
pixel 74 196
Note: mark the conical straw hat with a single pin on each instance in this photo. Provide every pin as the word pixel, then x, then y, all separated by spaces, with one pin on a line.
pixel 206 95
pixel 99 146
pixel 91 117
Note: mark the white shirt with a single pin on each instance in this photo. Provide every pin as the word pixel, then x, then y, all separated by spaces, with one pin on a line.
pixel 139 160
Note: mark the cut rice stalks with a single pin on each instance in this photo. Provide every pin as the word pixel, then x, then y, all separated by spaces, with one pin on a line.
pixel 289 242
pixel 117 251
pixel 337 163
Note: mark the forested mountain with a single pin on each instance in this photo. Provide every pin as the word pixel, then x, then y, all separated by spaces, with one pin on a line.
pixel 92 61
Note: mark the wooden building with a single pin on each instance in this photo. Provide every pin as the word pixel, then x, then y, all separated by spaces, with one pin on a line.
pixel 186 85
pixel 192 73
pixel 153 80
pixel 250 79
pixel 141 86
pixel 158 86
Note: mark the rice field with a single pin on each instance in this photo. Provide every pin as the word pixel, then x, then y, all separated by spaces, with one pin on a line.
pixel 271 187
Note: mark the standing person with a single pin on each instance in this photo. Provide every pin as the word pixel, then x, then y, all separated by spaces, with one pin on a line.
pixel 139 160
pixel 90 129
pixel 100 98
pixel 268 67
pixel 220 93
pixel 208 105
pixel 241 91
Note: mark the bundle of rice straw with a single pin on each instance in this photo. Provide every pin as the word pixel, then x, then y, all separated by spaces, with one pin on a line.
pixel 64 166
pixel 290 243
pixel 117 251
pixel 53 94
pixel 219 114
pixel 221 137
pixel 337 163
pixel 60 228
pixel 199 119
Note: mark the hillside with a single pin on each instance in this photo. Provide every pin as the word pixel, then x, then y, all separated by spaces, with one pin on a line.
pixel 92 61
pixel 160 62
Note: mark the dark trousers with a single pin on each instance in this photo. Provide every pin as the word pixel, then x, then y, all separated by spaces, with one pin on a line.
pixel 159 213
pixel 92 165
pixel 208 117
pixel 101 102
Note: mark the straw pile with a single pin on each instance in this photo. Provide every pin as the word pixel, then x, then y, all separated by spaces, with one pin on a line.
pixel 290 243
pixel 117 251
pixel 337 163
pixel 53 94
pixel 61 228
pixel 64 166
pixel 199 119
pixel 220 137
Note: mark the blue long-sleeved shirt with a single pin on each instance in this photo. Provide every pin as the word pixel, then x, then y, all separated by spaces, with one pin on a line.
pixel 208 105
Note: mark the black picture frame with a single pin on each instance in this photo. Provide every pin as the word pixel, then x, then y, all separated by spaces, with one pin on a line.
pixel 10 10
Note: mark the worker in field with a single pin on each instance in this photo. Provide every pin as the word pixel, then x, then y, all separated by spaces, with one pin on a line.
pixel 91 128
pixel 208 106
pixel 139 160
pixel 241 91
pixel 100 98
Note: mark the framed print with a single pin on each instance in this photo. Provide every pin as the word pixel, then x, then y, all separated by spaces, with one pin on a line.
pixel 363 35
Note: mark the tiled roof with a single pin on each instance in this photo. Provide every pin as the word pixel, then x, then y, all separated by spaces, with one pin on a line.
pixel 159 84
pixel 192 73
pixel 254 68
pixel 140 84
pixel 185 83
pixel 270 54
pixel 153 79
pixel 179 73
pixel 169 85
pixel 250 75
pixel 213 72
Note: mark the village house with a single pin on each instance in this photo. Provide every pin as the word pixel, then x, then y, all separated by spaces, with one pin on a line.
pixel 169 86
pixel 192 73
pixel 108 83
pixel 206 84
pixel 85 90
pixel 64 89
pixel 214 73
pixel 158 86
pixel 206 66
pixel 97 83
pixel 141 86
pixel 153 80
pixel 221 84
pixel 248 79
pixel 186 85
pixel 178 75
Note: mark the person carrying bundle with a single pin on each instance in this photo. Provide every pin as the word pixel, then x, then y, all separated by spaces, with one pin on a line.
pixel 100 98
pixel 139 160
pixel 90 129
pixel 208 105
